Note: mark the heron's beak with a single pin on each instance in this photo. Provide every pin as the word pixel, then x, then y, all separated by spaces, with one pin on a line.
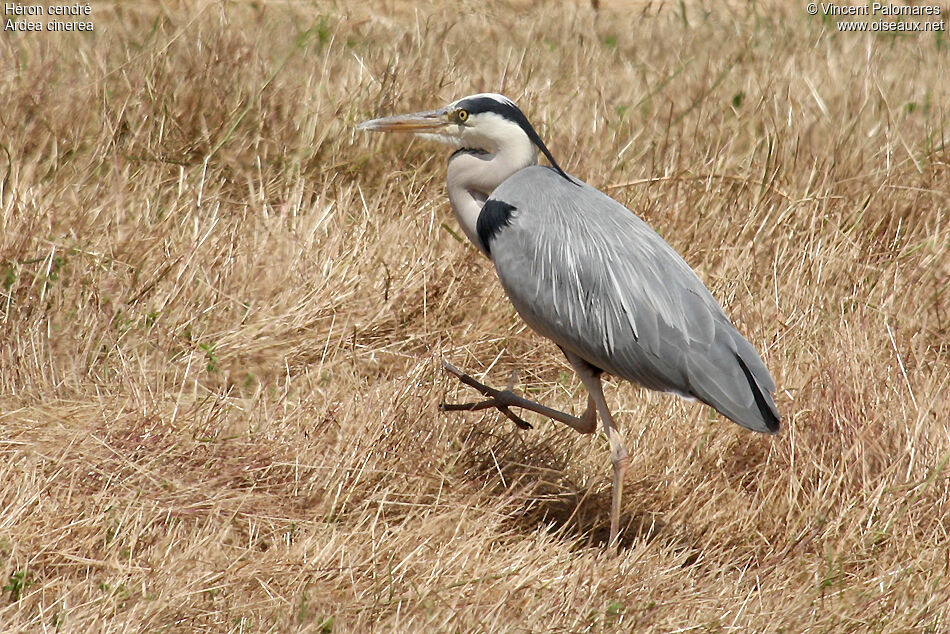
pixel 431 121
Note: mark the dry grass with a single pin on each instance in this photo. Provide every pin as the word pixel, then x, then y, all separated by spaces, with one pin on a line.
pixel 222 312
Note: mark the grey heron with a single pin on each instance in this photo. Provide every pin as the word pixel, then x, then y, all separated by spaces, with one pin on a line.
pixel 587 273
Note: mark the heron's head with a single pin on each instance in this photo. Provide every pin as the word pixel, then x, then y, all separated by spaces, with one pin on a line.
pixel 486 122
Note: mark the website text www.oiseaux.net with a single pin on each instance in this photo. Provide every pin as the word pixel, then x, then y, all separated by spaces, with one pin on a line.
pixel 883 17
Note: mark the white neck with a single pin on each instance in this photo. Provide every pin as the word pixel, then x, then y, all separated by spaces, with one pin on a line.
pixel 473 176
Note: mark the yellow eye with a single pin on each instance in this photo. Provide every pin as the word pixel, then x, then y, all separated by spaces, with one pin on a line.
pixel 461 115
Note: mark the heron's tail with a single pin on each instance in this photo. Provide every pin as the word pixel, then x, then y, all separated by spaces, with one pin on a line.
pixel 763 401
pixel 735 381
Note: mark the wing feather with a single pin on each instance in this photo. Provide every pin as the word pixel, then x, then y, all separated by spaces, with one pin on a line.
pixel 586 272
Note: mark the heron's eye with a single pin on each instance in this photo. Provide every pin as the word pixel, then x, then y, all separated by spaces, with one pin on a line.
pixel 461 115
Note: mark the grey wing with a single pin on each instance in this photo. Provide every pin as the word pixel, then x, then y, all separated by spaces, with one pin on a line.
pixel 586 272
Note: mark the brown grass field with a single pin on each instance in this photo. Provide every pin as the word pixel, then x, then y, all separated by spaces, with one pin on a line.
pixel 223 311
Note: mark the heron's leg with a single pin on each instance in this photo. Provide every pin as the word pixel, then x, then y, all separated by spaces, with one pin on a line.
pixel 502 400
pixel 619 457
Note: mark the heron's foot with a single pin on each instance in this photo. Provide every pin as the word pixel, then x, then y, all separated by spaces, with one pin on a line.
pixel 503 400
pixel 499 399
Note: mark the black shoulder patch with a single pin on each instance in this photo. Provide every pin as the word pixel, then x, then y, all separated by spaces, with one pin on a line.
pixel 495 215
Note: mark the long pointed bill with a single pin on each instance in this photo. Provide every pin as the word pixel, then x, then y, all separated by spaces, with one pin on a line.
pixel 431 121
